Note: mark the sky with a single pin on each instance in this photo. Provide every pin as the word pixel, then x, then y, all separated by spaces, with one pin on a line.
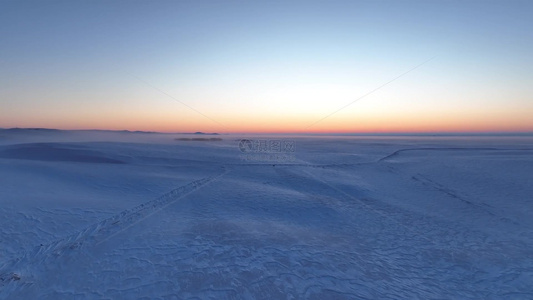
pixel 267 66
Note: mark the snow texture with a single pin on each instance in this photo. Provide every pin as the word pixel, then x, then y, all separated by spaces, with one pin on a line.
pixel 121 215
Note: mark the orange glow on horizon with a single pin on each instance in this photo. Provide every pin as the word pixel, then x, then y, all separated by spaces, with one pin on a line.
pixel 356 120
pixel 378 126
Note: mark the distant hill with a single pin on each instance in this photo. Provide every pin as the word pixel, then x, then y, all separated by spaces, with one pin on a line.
pixel 203 133
pixel 31 129
pixel 17 129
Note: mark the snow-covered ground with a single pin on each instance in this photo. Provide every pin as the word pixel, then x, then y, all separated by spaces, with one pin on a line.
pixel 119 215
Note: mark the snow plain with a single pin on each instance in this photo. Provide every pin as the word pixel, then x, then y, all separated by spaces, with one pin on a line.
pixel 122 215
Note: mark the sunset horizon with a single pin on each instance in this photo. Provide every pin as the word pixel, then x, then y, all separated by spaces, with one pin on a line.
pixel 347 66
pixel 347 132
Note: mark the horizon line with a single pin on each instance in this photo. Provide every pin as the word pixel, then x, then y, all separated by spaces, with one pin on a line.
pixel 351 133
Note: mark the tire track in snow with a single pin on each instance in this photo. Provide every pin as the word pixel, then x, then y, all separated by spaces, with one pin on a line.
pixel 96 233
pixel 397 152
pixel 453 194
pixel 416 233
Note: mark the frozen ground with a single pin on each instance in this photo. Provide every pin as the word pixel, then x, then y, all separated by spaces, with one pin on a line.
pixel 117 215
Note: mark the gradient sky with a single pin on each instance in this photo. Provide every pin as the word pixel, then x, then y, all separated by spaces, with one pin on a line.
pixel 267 66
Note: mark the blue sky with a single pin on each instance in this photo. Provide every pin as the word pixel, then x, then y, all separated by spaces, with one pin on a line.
pixel 274 66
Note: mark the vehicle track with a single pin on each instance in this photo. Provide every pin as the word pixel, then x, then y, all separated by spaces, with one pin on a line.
pixel 95 233
pixel 397 152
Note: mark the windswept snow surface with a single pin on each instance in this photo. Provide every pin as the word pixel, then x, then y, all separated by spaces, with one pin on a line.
pixel 120 215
